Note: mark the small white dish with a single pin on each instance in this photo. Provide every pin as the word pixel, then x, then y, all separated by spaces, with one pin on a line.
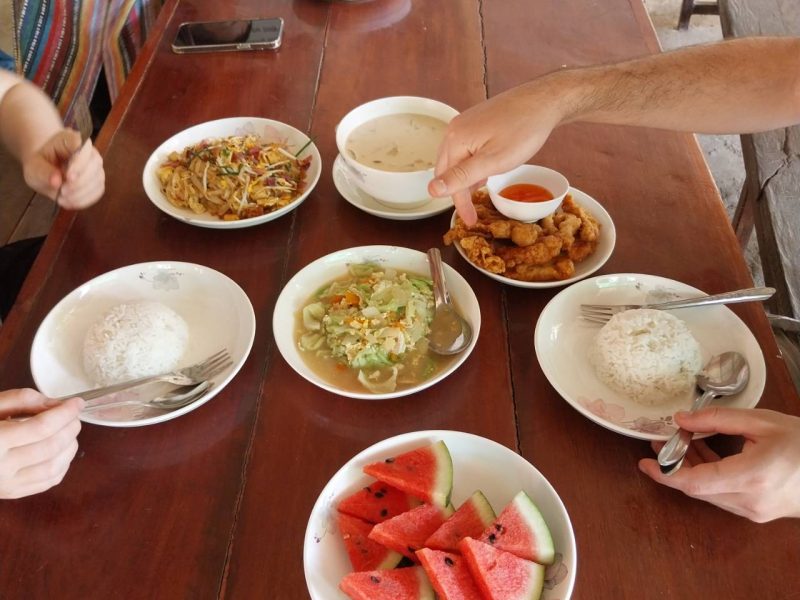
pixel 313 276
pixel 553 181
pixel 478 464
pixel 400 190
pixel 562 340
pixel 265 129
pixel 217 311
pixel 363 201
pixel 608 239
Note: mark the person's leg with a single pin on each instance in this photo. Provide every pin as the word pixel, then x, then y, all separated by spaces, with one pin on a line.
pixel 15 261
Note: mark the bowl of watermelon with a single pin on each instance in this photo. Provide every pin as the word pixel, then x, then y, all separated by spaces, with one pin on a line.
pixel 439 514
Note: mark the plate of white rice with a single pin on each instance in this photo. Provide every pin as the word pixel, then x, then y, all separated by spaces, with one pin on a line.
pixel 136 321
pixel 631 376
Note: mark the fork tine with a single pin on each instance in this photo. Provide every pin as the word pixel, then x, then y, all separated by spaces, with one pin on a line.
pixel 595 319
pixel 218 370
pixel 203 373
pixel 597 311
pixel 213 357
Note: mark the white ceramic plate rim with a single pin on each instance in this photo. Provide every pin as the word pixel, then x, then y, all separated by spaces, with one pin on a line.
pixel 348 189
pixel 334 490
pixel 546 353
pixel 608 239
pixel 85 289
pixel 289 301
pixel 215 128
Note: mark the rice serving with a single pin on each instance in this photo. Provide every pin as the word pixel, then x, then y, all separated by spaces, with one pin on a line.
pixel 648 355
pixel 134 340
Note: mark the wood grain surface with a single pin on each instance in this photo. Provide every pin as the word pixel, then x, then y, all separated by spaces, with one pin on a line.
pixel 215 504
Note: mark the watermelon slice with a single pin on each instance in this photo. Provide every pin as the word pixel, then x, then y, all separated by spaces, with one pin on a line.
pixel 501 575
pixel 398 584
pixel 407 533
pixel 471 519
pixel 449 575
pixel 377 502
pixel 425 473
pixel 521 530
pixel 365 555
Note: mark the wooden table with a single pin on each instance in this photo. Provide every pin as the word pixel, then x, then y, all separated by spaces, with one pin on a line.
pixel 215 503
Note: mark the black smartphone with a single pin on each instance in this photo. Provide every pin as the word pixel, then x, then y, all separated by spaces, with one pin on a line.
pixel 213 36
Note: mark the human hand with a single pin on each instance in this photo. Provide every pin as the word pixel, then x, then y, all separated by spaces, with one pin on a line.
pixel 493 137
pixel 63 163
pixel 761 483
pixel 35 453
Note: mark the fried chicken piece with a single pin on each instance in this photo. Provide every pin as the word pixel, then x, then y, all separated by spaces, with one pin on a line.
pixel 590 228
pixel 539 253
pixel 522 234
pixel 548 226
pixel 568 225
pixel 481 253
pixel 561 268
pixel 581 250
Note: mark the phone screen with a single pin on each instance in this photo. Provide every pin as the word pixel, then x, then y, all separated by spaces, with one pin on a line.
pixel 242 34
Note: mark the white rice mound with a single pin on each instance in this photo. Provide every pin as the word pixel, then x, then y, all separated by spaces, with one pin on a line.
pixel 134 340
pixel 648 355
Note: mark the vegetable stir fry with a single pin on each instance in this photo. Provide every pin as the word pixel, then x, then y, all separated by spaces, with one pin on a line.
pixel 376 321
pixel 233 178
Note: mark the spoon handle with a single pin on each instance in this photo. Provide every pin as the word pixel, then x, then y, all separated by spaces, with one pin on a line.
pixel 440 294
pixel 671 456
pixel 748 295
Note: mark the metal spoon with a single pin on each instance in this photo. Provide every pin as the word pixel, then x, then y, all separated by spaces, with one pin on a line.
pixel 177 398
pixel 725 375
pixel 450 333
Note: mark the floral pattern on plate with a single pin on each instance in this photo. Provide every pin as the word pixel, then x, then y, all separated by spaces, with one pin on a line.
pixel 616 413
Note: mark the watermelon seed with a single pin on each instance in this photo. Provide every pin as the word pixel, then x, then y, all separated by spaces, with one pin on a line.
pixel 448 561
pixel 492 538
pixel 389 460
pixel 374 579
pixel 411 549
pixel 368 489
pixel 379 494
pixel 384 512
pixel 498 527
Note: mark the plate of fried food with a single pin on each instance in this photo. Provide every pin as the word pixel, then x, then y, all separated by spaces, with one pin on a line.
pixel 572 243
pixel 232 173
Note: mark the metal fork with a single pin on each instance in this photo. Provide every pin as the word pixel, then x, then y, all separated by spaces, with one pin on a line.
pixel 601 313
pixel 191 375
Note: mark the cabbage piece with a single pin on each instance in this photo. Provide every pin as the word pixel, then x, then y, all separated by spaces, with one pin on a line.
pixel 362 270
pixel 312 341
pixel 371 357
pixel 379 387
pixel 312 316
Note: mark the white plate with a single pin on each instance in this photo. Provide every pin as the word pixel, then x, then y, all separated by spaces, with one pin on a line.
pixel 313 276
pixel 266 129
pixel 608 238
pixel 363 201
pixel 562 339
pixel 215 308
pixel 478 464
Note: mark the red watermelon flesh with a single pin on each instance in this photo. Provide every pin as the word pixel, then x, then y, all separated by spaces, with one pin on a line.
pixel 397 584
pixel 449 575
pixel 471 519
pixel 425 473
pixel 365 555
pixel 407 533
pixel 377 502
pixel 521 530
pixel 501 575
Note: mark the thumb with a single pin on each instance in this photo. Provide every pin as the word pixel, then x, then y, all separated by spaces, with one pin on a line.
pixel 42 176
pixel 62 145
pixel 719 419
pixel 460 176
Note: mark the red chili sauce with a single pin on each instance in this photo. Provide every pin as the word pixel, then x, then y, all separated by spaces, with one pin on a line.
pixel 526 192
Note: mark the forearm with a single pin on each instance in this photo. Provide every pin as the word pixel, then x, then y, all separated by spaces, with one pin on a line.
pixel 740 86
pixel 28 118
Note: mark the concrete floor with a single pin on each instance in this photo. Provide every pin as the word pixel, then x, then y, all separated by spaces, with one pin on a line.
pixel 723 152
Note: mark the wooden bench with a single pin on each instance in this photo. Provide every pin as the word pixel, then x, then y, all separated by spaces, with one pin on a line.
pixel 770 198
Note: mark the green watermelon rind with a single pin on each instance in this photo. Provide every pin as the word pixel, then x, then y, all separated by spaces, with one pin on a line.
pixel 483 507
pixel 443 487
pixel 536 571
pixel 540 532
pixel 483 510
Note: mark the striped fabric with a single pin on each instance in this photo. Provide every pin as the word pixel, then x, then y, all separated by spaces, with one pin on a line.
pixel 61 45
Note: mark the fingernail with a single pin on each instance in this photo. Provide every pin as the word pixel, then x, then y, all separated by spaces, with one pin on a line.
pixel 51 402
pixel 438 187
pixel 682 414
